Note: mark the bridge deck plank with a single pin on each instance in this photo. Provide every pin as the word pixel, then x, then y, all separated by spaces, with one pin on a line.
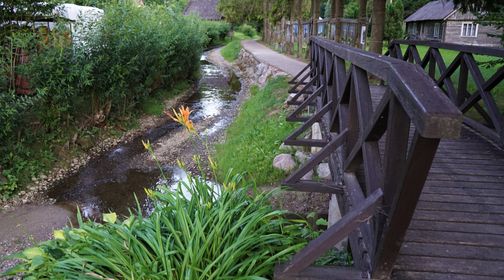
pixel 457 231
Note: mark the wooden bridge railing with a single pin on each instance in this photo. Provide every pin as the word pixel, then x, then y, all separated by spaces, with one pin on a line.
pixel 455 80
pixel 378 170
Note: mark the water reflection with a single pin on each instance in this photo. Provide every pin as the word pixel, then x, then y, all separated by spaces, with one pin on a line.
pixel 115 181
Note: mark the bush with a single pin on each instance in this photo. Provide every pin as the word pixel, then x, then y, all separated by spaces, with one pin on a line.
pixel 117 63
pixel 197 231
pixel 248 30
pixel 216 32
pixel 138 50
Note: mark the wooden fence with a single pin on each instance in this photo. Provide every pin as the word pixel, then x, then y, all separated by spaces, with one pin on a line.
pixel 352 32
pixel 479 105
pixel 379 142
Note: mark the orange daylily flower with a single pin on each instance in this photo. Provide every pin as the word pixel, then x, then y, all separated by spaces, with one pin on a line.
pixel 182 117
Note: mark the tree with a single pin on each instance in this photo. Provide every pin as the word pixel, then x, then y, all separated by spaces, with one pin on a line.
pixel 351 10
pixel 377 27
pixel 299 15
pixel 14 12
pixel 410 6
pixel 241 11
pixel 394 20
pixel 337 8
pixel 316 15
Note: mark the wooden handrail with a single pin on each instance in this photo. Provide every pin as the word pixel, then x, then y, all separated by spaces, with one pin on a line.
pixel 432 113
pixel 499 52
pixel 338 94
pixel 490 120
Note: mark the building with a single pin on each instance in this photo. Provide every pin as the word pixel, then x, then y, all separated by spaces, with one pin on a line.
pixel 206 9
pixel 442 21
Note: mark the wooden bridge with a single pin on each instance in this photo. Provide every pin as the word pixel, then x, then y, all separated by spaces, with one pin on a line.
pixel 420 183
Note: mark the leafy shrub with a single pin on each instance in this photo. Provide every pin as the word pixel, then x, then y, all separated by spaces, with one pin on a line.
pixel 216 31
pixel 118 62
pixel 137 50
pixel 247 30
pixel 195 232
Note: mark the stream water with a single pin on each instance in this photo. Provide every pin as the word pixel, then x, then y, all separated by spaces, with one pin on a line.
pixel 111 181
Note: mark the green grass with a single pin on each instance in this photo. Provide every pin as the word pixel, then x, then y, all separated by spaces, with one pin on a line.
pixel 232 49
pixel 154 104
pixel 253 140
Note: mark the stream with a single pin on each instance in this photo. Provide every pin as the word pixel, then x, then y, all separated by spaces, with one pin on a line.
pixel 110 182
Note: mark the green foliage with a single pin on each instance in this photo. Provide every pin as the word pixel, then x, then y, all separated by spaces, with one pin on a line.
pixel 27 11
pixel 247 30
pixel 394 20
pixel 253 140
pixel 216 32
pixel 138 50
pixel 196 231
pixel 117 63
pixel 154 104
pixel 410 6
pixel 351 10
pixel 240 11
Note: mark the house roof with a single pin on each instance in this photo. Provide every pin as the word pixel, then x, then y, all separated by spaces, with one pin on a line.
pixel 435 10
pixel 206 9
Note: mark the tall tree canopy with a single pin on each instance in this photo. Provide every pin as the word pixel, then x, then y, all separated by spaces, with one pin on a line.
pixel 237 12
pixel 394 20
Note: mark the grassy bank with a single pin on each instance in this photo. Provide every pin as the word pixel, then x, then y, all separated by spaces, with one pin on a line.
pixel 232 49
pixel 253 140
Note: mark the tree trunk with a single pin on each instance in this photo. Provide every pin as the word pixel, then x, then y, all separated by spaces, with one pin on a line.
pixel 265 21
pixel 362 22
pixel 378 26
pixel 291 27
pixel 283 37
pixel 316 15
pixel 337 8
pixel 299 14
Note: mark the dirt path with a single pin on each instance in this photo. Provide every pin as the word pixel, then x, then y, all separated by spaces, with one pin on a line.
pixel 268 56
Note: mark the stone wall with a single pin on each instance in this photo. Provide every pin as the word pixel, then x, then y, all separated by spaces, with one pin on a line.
pixel 255 70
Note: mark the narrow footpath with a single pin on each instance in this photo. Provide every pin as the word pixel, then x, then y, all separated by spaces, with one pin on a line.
pixel 268 56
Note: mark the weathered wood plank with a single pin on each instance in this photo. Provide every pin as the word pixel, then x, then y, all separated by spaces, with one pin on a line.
pixel 418 275
pixel 464 217
pixel 473 199
pixel 448 227
pixel 451 265
pixel 460 207
pixel 463 184
pixel 452 251
pixel 438 189
pixel 456 238
pixel 320 273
